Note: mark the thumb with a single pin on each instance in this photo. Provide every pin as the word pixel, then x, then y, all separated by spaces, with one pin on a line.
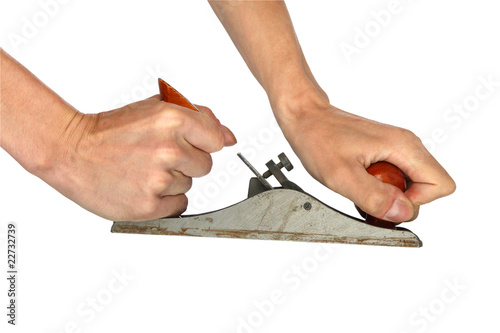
pixel 229 138
pixel 378 199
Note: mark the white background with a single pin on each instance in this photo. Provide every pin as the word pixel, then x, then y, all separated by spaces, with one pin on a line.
pixel 428 58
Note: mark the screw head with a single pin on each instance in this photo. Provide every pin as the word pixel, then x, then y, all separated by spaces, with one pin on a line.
pixel 285 161
pixel 307 205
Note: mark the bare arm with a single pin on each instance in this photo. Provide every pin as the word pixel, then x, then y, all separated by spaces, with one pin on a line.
pixel 263 34
pixel 322 135
pixel 34 119
pixel 132 163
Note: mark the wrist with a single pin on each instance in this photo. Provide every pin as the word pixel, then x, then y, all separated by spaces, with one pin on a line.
pixel 38 127
pixel 297 99
pixel 59 145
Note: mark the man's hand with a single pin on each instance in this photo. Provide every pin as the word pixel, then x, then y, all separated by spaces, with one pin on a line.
pixel 136 162
pixel 336 147
pixel 133 163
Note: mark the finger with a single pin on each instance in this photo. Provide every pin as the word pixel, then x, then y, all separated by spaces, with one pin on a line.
pixel 229 138
pixel 158 207
pixel 416 210
pixel 171 206
pixel 430 180
pixel 209 112
pixel 433 188
pixel 197 128
pixel 177 183
pixel 383 201
pixel 186 159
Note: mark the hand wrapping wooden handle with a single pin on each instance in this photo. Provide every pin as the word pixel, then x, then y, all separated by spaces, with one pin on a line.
pixel 170 95
pixel 390 174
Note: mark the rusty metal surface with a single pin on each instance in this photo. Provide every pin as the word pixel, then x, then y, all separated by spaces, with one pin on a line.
pixel 279 214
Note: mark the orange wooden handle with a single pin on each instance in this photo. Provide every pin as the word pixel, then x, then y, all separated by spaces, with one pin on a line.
pixel 390 174
pixel 170 95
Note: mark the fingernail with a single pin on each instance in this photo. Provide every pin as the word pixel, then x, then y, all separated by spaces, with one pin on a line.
pixel 228 131
pixel 400 211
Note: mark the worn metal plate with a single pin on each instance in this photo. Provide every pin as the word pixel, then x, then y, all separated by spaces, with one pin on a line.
pixel 278 214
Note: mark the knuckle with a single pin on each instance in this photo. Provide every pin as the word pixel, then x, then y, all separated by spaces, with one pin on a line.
pixel 448 187
pixel 411 145
pixel 170 155
pixel 189 184
pixel 163 181
pixel 171 117
pixel 146 208
pixel 204 108
pixel 183 202
pixel 220 140
pixel 408 136
pixel 176 205
pixel 206 164
pixel 217 140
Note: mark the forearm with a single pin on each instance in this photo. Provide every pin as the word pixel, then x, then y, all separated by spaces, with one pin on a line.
pixel 320 134
pixel 264 35
pixel 35 122
pixel 133 163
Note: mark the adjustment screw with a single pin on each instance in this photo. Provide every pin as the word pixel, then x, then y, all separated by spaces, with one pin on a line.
pixel 307 206
pixel 283 163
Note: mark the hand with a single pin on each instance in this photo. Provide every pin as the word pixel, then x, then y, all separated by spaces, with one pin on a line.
pixel 136 162
pixel 133 163
pixel 336 147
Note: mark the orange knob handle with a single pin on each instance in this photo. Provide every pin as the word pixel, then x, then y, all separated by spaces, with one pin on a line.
pixel 390 174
